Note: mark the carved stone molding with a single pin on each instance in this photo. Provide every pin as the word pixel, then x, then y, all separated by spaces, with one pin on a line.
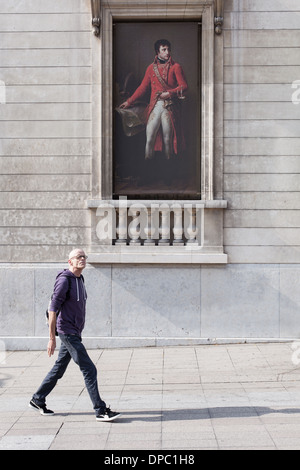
pixel 219 16
pixel 96 16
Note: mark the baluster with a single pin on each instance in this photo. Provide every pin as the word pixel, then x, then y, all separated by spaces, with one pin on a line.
pixel 191 229
pixel 122 226
pixel 164 225
pixel 134 228
pixel 178 227
pixel 149 228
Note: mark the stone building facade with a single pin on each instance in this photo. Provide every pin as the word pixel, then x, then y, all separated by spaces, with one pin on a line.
pixel 231 272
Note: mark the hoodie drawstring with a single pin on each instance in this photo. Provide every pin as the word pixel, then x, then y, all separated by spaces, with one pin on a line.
pixel 83 289
pixel 77 290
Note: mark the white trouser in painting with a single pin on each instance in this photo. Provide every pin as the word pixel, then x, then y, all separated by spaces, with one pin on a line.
pixel 159 116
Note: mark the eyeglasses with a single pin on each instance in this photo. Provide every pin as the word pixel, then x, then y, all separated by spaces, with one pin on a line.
pixel 80 256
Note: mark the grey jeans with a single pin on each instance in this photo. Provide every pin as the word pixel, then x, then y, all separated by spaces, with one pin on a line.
pixel 72 348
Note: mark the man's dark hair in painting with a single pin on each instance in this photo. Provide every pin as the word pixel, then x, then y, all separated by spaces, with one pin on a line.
pixel 161 42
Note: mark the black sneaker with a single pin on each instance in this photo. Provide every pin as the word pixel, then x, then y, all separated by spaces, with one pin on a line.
pixel 108 415
pixel 42 409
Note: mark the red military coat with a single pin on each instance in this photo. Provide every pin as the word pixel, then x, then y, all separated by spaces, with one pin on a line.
pixel 173 81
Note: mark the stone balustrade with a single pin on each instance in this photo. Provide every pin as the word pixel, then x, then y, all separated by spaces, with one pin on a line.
pixel 156 227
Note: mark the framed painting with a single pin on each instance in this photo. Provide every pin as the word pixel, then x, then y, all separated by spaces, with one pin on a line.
pixel 156 101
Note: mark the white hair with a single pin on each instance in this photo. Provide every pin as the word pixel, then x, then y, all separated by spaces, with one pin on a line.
pixel 74 252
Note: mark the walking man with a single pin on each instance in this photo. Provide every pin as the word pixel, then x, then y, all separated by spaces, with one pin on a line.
pixel 69 299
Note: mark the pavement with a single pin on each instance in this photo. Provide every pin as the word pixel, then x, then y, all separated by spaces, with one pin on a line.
pixel 206 397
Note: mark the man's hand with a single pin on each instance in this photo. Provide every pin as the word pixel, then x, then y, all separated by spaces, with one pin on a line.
pixel 165 95
pixel 51 347
pixel 124 105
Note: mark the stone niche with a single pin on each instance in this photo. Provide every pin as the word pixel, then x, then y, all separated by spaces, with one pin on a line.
pixel 185 231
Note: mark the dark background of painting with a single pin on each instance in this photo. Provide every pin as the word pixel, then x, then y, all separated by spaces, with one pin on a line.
pixel 133 53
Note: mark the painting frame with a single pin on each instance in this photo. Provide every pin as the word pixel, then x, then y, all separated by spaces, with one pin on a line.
pixel 102 91
pixel 171 177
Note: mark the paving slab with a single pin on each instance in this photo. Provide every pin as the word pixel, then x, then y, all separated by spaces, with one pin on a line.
pixel 206 397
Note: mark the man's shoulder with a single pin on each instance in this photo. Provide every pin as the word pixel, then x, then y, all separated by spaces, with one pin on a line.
pixel 176 65
pixel 64 274
pixel 149 68
pixel 63 278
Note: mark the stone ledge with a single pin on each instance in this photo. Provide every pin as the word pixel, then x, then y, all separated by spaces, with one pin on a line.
pixel 156 255
pixel 14 343
pixel 124 202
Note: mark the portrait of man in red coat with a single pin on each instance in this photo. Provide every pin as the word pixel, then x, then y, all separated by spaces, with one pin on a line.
pixel 166 82
pixel 156 137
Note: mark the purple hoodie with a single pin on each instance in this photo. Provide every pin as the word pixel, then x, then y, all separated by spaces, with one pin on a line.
pixel 71 319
